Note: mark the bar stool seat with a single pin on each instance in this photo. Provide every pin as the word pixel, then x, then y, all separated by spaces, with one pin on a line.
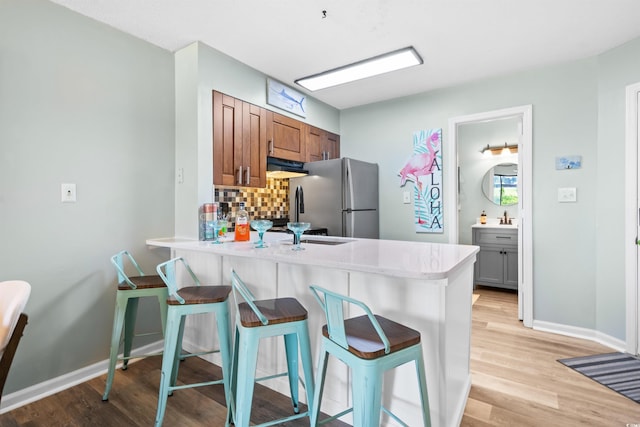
pixel 261 319
pixel 185 301
pixel 130 290
pixel 370 345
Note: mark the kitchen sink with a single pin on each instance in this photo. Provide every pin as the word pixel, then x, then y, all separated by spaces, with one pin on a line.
pixel 324 242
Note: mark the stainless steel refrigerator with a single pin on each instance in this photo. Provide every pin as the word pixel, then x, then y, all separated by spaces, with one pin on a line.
pixel 340 195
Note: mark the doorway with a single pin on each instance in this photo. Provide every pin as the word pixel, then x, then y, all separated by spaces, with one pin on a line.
pixel 525 246
pixel 632 219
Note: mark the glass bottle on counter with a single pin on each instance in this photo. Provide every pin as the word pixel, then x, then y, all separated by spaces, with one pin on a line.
pixel 242 231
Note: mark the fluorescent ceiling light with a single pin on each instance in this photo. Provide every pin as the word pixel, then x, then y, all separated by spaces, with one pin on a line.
pixel 381 64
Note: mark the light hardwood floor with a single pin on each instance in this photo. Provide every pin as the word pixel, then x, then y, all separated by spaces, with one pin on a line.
pixel 516 381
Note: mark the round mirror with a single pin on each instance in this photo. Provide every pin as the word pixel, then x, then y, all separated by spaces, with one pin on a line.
pixel 500 184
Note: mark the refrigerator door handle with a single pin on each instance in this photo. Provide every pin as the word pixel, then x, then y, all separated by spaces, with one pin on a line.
pixel 349 179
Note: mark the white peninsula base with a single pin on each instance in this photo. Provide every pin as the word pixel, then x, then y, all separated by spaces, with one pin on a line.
pixel 427 287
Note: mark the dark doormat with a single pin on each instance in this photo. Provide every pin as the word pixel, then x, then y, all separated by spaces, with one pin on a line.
pixel 618 371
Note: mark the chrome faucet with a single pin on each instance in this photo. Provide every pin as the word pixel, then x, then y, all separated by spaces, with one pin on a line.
pixel 299 208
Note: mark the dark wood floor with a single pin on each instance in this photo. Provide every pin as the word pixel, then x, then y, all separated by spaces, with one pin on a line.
pixel 516 381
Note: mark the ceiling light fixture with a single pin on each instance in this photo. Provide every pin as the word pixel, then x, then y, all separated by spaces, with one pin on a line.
pixel 502 150
pixel 392 61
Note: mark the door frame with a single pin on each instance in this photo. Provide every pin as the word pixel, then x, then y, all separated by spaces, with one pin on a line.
pixel 632 219
pixel 525 201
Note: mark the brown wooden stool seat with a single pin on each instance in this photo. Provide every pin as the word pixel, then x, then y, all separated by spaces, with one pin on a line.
pixel 365 342
pixel 200 295
pixel 281 310
pixel 142 282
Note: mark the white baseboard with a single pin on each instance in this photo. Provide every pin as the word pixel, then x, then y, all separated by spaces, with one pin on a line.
pixel 583 333
pixel 63 382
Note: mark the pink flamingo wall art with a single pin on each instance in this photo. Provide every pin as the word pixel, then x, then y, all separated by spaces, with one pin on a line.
pixel 424 168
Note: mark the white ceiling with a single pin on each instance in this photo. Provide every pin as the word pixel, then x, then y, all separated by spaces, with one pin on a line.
pixel 459 40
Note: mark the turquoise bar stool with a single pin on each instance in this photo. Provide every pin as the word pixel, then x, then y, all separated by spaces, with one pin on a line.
pixel 369 345
pixel 191 299
pixel 261 319
pixel 130 290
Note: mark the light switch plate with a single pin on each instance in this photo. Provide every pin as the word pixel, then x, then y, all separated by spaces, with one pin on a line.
pixel 406 197
pixel 567 195
pixel 68 193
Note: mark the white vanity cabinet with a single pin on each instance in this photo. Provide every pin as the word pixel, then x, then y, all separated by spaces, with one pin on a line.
pixel 497 263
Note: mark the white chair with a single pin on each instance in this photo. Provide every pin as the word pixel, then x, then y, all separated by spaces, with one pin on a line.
pixel 13 298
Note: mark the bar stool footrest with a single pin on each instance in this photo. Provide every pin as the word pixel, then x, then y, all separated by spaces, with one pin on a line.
pixel 140 356
pixel 203 384
pixel 335 417
pixel 394 416
pixel 283 420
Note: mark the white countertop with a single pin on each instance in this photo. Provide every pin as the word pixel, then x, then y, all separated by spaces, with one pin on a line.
pixel 416 260
pixel 503 226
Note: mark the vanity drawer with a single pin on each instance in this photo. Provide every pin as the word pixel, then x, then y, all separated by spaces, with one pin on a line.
pixel 496 237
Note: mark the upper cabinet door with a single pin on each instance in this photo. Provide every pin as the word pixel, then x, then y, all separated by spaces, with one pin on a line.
pixel 254 145
pixel 227 138
pixel 315 149
pixel 331 146
pixel 239 142
pixel 285 137
pixel 322 145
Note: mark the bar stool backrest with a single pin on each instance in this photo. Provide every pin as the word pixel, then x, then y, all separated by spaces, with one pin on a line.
pixel 118 260
pixel 239 287
pixel 333 305
pixel 167 271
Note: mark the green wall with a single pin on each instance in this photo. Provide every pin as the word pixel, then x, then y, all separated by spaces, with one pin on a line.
pixel 82 103
pixel 578 109
pixel 617 69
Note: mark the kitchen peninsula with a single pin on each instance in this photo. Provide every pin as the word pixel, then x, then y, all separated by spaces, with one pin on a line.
pixel 425 286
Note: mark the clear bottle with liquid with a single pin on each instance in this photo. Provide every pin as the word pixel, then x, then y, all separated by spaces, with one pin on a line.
pixel 242 231
pixel 483 218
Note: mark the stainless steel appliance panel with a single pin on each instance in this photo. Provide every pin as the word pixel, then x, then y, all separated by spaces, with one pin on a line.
pixel 335 188
pixel 322 202
pixel 361 224
pixel 360 185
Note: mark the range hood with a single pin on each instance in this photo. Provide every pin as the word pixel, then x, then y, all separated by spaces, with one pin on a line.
pixel 282 168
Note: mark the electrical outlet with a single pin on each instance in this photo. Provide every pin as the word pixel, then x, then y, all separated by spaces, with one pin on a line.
pixel 68 193
pixel 180 176
pixel 567 194
pixel 406 197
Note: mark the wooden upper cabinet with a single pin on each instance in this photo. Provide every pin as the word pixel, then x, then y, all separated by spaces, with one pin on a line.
pixel 254 145
pixel 286 138
pixel 239 142
pixel 332 146
pixel 321 145
pixel 245 134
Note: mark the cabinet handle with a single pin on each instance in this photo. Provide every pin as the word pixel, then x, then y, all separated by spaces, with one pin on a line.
pixel 503 237
pixel 271 147
pixel 248 181
pixel 239 177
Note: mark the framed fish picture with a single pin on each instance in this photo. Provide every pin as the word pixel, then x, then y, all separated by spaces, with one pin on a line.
pixel 285 98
